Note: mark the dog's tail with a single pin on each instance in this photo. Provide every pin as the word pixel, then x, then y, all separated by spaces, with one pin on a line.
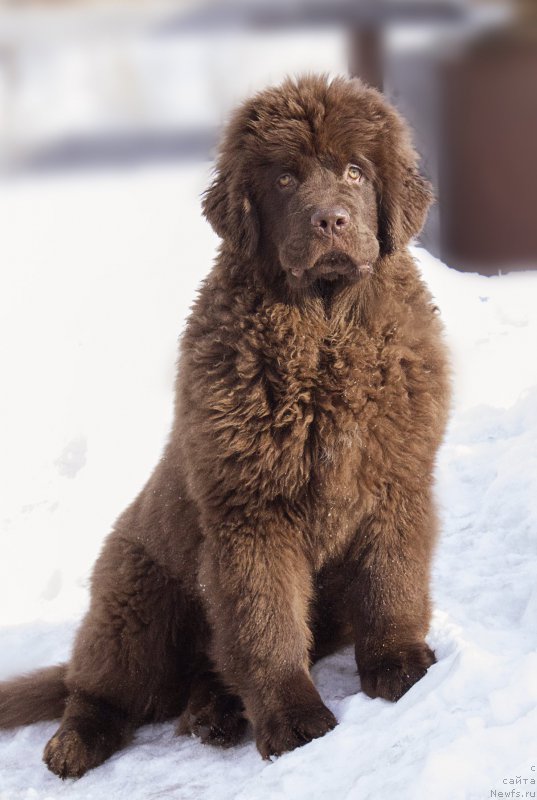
pixel 33 698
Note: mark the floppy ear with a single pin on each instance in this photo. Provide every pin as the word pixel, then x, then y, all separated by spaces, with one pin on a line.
pixel 228 207
pixel 405 197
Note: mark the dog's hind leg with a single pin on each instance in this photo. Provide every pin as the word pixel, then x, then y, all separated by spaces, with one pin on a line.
pixel 133 658
pixel 213 713
pixel 91 731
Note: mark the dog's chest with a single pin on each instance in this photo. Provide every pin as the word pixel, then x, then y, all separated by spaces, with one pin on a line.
pixel 328 387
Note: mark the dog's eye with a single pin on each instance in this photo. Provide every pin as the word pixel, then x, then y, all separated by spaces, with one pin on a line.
pixel 354 173
pixel 285 180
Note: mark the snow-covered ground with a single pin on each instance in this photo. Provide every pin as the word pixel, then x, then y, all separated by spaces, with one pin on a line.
pixel 98 272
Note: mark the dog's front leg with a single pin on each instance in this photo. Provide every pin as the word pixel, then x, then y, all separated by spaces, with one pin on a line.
pixel 391 594
pixel 257 583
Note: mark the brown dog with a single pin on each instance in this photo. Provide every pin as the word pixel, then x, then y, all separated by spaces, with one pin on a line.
pixel 291 512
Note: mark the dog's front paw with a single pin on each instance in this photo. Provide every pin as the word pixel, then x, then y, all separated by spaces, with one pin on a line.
pixel 293 727
pixel 395 673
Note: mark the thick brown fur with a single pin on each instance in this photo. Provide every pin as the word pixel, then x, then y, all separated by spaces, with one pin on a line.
pixel 292 510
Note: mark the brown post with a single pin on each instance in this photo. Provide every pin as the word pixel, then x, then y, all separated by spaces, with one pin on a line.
pixel 367 55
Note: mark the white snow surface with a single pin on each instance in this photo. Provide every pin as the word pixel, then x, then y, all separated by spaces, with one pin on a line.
pixel 98 273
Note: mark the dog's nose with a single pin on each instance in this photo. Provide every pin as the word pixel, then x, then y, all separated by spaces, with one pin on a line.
pixel 330 221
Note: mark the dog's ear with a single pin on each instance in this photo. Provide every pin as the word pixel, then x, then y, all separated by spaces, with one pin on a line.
pixel 404 194
pixel 227 205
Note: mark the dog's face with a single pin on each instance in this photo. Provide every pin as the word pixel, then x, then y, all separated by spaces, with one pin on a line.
pixel 320 216
pixel 319 179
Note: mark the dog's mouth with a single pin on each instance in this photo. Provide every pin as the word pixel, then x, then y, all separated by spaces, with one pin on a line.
pixel 330 266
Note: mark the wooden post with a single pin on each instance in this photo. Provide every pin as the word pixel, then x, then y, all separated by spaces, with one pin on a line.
pixel 367 55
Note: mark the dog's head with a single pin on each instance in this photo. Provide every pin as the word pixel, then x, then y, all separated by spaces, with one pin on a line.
pixel 321 176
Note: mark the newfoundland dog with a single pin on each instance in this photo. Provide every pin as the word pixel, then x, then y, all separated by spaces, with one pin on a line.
pixel 292 510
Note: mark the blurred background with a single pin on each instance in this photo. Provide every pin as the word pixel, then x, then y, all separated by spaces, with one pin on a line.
pixel 88 85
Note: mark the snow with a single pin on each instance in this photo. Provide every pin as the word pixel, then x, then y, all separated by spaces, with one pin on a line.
pixel 98 275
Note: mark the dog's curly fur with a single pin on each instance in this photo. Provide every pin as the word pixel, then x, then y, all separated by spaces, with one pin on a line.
pixel 291 512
